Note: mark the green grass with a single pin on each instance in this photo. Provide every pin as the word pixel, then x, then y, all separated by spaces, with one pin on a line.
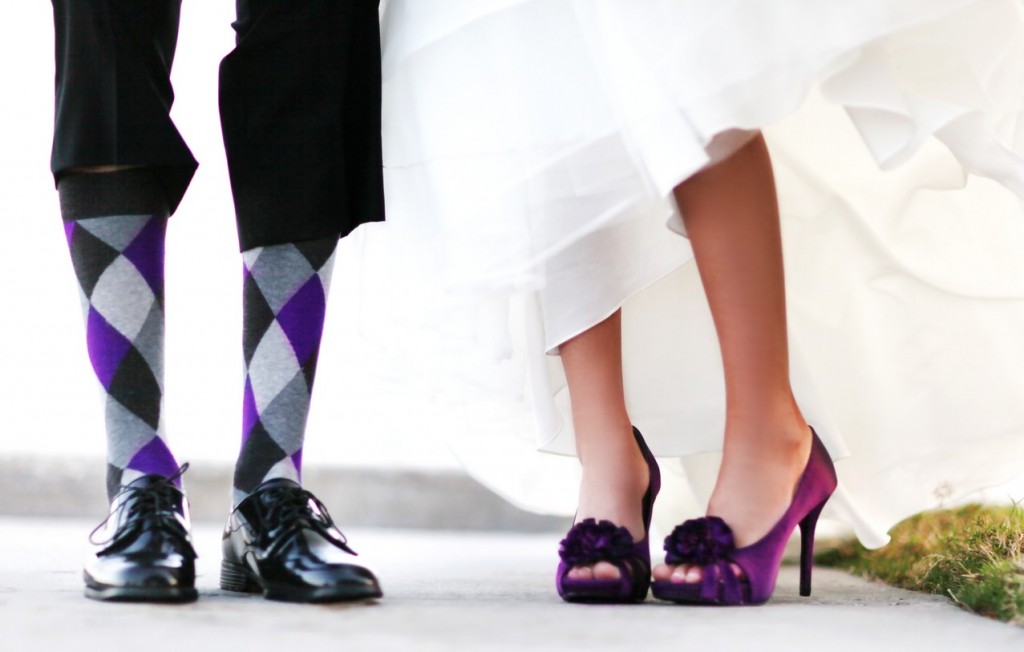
pixel 974 555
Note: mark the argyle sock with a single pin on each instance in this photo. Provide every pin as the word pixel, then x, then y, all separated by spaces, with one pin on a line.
pixel 115 225
pixel 285 296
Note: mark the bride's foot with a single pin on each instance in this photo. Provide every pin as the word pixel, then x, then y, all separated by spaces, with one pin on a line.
pixel 759 473
pixel 615 478
pixel 602 560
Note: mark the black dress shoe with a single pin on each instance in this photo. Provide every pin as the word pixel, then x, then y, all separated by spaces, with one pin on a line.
pixel 281 541
pixel 149 556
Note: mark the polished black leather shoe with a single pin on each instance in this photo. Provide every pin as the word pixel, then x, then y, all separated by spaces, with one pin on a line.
pixel 280 541
pixel 147 555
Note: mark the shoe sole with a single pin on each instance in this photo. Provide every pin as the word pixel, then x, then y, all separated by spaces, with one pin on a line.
pixel 589 598
pixel 689 594
pixel 603 591
pixel 141 594
pixel 237 578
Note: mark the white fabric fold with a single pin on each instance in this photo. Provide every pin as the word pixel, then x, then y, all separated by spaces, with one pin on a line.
pixel 531 148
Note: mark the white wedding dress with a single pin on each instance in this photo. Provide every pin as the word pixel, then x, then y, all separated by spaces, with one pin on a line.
pixel 531 148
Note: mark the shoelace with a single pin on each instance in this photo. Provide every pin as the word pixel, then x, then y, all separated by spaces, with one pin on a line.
pixel 290 511
pixel 155 499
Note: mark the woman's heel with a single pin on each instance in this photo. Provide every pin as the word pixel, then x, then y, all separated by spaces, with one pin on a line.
pixel 807 526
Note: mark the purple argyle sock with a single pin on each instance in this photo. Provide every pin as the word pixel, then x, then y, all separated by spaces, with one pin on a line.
pixel 115 225
pixel 285 296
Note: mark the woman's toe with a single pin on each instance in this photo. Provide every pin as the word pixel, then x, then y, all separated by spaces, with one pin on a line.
pixel 679 574
pixel 694 575
pixel 663 572
pixel 606 571
pixel 687 574
pixel 581 573
pixel 737 571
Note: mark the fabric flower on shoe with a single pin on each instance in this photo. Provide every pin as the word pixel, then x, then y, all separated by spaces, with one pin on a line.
pixel 699 541
pixel 591 541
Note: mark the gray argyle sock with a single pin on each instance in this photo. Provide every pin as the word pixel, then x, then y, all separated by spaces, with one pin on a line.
pixel 285 298
pixel 115 225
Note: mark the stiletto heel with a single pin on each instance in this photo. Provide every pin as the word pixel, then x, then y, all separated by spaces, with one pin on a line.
pixel 589 542
pixel 807 526
pixel 708 543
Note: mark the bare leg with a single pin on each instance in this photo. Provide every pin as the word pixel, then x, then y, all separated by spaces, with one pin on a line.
pixel 614 472
pixel 731 215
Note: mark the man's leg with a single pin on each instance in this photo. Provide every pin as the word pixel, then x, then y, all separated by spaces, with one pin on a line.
pixel 121 168
pixel 300 110
pixel 115 224
pixel 284 299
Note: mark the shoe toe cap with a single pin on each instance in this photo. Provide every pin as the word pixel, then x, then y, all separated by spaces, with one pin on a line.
pixel 150 574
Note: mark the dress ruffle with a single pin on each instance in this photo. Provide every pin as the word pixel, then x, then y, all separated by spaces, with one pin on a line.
pixel 531 150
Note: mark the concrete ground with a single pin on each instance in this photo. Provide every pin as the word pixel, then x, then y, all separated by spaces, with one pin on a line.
pixel 449 591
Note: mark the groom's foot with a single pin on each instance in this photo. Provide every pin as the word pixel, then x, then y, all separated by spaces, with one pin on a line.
pixel 148 555
pixel 280 541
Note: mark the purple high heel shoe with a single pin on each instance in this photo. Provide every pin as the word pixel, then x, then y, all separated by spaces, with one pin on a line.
pixel 708 542
pixel 589 542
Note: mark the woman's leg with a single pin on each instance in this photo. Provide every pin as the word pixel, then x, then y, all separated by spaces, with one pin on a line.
pixel 615 475
pixel 732 218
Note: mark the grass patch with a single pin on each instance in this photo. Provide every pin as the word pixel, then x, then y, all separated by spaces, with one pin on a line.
pixel 974 555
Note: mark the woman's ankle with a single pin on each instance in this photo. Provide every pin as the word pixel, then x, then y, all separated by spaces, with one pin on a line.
pixel 776 423
pixel 612 486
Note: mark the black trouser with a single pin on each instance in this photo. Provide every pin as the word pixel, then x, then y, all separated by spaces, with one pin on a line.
pixel 299 101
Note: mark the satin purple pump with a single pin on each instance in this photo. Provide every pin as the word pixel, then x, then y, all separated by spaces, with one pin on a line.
pixel 589 542
pixel 708 542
